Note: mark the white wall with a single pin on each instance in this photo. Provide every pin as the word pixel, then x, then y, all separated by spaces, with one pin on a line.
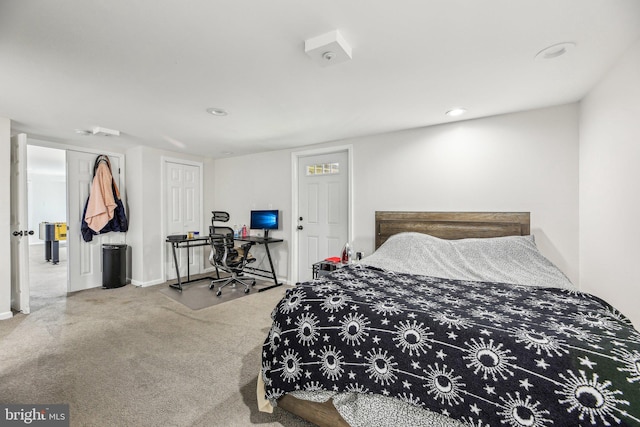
pixel 144 201
pixel 134 206
pixel 609 186
pixel 5 215
pixel 516 162
pixel 47 201
pixel 258 181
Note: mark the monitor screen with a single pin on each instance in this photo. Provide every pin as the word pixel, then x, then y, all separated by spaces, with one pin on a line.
pixel 264 220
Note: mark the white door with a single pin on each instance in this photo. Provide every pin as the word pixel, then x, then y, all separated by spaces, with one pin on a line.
pixel 183 214
pixel 323 211
pixel 19 225
pixel 85 258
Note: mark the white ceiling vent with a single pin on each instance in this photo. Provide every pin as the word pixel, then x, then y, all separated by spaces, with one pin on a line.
pixel 328 49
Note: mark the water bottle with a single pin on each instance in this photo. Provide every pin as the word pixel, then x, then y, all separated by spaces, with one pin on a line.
pixel 236 231
pixel 244 231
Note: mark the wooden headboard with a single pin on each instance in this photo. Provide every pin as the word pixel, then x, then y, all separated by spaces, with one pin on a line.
pixel 452 225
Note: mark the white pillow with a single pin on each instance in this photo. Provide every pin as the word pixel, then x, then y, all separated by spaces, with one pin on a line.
pixel 512 259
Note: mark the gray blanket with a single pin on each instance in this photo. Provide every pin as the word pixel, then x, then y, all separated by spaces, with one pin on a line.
pixel 513 259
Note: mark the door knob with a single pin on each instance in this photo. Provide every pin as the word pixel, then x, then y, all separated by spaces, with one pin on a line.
pixel 30 232
pixel 300 227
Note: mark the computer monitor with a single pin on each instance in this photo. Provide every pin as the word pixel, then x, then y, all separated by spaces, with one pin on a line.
pixel 265 220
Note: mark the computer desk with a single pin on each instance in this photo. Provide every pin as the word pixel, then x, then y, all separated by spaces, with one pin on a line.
pixel 187 243
pixel 258 240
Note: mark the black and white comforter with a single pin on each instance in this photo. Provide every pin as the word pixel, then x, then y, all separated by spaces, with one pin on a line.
pixel 486 354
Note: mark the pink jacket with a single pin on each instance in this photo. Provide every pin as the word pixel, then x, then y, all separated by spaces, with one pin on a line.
pixel 101 201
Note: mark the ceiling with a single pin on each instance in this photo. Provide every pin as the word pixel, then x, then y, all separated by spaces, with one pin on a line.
pixel 151 68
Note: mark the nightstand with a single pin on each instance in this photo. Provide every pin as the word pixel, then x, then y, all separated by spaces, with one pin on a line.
pixel 325 267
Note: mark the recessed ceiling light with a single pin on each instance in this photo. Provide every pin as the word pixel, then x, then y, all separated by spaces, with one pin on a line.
pixel 455 112
pixel 554 51
pixel 216 111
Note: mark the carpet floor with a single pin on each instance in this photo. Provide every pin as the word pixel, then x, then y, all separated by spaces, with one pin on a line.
pixel 133 357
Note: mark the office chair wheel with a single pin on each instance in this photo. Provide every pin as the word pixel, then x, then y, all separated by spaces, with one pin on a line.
pixel 211 286
pixel 246 291
pixel 218 293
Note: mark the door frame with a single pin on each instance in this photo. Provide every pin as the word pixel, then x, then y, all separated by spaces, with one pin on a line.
pixel 295 157
pixel 163 188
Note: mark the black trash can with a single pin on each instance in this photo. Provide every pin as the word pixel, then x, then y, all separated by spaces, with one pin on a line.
pixel 114 265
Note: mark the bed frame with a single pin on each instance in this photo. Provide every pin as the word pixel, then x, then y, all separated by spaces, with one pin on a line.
pixel 445 225
pixel 452 225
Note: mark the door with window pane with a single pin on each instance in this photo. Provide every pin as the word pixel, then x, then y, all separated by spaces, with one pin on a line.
pixel 323 198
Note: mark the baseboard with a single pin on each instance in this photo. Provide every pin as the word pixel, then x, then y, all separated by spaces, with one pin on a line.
pixel 6 315
pixel 145 284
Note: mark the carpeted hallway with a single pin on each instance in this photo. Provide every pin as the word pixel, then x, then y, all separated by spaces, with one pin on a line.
pixel 134 357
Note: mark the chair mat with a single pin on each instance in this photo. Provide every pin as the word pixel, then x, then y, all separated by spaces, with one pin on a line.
pixel 197 295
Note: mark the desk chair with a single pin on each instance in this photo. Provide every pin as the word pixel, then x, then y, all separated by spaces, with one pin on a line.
pixel 226 256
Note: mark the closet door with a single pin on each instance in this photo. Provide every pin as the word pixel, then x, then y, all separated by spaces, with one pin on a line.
pixel 183 213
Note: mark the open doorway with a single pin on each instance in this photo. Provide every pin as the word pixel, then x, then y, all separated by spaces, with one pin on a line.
pixel 47 211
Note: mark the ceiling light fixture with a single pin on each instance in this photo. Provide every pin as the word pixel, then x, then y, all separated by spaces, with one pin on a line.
pixel 328 49
pixel 554 51
pixel 105 132
pixel 455 112
pixel 217 111
pixel 83 132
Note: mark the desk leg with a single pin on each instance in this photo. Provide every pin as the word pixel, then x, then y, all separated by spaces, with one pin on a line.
pixel 273 272
pixel 188 262
pixel 177 286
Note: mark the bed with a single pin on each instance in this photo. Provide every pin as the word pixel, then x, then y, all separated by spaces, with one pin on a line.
pixel 455 320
